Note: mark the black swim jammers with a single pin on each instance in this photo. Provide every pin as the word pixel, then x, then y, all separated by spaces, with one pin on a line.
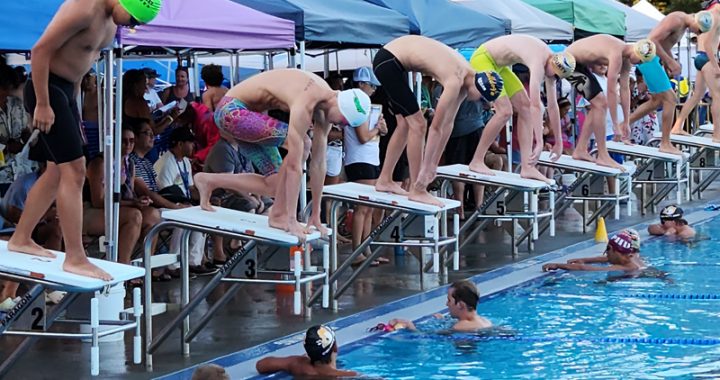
pixel 393 77
pixel 585 82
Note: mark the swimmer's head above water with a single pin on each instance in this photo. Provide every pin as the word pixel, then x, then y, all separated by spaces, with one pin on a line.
pixel 671 213
pixel 320 344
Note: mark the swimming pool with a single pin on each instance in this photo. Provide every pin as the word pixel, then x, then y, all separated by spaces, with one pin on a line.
pixel 576 325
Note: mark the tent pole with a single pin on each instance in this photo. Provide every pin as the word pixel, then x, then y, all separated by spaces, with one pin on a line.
pixel 117 156
pixel 418 87
pixel 100 93
pixel 107 124
pixel 237 67
pixel 291 59
pixel 232 69
pixel 266 64
pixel 196 74
pixel 326 64
pixel 303 182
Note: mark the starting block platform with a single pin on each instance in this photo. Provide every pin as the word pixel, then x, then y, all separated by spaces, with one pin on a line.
pixel 242 267
pixel 589 186
pixel 366 195
pixel 704 161
pixel 31 318
pixel 660 171
pixel 516 198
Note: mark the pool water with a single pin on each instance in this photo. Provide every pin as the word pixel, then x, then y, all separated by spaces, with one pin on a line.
pixel 576 326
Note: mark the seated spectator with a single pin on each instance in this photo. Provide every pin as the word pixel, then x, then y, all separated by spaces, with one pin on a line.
pixel 14 127
pixel 213 77
pixel 181 89
pixel 174 177
pixel 225 157
pixel 199 119
pixel 151 96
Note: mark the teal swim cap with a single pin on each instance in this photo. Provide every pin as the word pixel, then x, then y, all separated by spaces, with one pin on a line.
pixel 143 11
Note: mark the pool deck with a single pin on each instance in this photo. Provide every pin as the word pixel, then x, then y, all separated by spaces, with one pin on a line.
pixel 258 321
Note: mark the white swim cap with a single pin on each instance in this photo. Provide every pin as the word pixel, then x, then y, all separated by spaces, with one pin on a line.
pixel 563 64
pixel 354 105
pixel 704 20
pixel 644 50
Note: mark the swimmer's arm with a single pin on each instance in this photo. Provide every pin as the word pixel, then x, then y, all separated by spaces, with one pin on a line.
pixel 275 364
pixel 614 67
pixel 553 109
pixel 589 260
pixel 583 267
pixel 73 17
pixel 318 164
pixel 409 325
pixel 625 97
pixel 658 39
pixel 444 119
pixel 687 233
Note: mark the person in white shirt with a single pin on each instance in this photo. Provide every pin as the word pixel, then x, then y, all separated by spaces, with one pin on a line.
pixel 362 159
pixel 151 96
pixel 175 180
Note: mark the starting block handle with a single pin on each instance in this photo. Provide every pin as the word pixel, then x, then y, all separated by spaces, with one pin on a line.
pixel 326 282
pixel 137 339
pixel 94 325
pixel 456 230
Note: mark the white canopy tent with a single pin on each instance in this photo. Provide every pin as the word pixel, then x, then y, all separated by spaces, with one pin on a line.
pixel 637 24
pixel 644 7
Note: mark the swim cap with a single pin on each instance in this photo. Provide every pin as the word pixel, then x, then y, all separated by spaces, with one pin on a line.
pixel 319 342
pixel 634 236
pixel 142 10
pixel 644 50
pixel 704 20
pixel 563 64
pixel 490 85
pixel 622 243
pixel 354 105
pixel 671 212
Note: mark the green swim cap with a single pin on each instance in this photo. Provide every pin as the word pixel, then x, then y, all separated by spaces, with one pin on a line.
pixel 142 10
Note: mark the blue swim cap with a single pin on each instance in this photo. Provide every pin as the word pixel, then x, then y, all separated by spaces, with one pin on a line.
pixel 704 20
pixel 490 85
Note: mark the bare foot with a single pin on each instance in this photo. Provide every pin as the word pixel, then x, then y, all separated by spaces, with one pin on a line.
pixel 669 148
pixel 481 168
pixel 609 162
pixel 423 196
pixel 582 156
pixel 392 187
pixel 86 268
pixel 627 142
pixel 29 247
pixel 296 229
pixel 679 131
pixel 532 173
pixel 203 186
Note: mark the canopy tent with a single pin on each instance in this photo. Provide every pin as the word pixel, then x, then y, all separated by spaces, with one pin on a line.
pixel 211 24
pixel 452 24
pixel 281 9
pixel 638 25
pixel 644 7
pixel 337 23
pixel 524 19
pixel 588 17
pixel 24 22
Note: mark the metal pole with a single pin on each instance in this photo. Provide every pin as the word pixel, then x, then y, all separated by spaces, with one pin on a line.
pixel 233 69
pixel 100 93
pixel 271 64
pixel 107 125
pixel 326 64
pixel 117 157
pixel 196 75
pixel 303 181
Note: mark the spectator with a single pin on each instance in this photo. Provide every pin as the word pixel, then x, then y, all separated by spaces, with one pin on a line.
pixel 213 77
pixel 151 96
pixel 174 177
pixel 14 127
pixel 206 132
pixel 225 157
pixel 134 104
pixel 90 118
pixel 181 89
pixel 362 161
pixel 22 79
pixel 136 215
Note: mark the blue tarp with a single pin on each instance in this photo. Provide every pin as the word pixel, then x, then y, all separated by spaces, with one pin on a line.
pixel 24 21
pixel 452 24
pixel 349 22
pixel 281 9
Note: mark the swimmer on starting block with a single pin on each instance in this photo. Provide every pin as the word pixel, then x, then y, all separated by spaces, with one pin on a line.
pixel 64 53
pixel 672 223
pixel 706 63
pixel 421 54
pixel 619 57
pixel 462 301
pixel 308 99
pixel 622 253
pixel 666 35
pixel 321 359
pixel 499 54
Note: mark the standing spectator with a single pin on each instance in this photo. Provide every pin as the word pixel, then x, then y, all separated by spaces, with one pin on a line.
pixel 181 89
pixel 362 161
pixel 225 157
pixel 134 104
pixel 22 79
pixel 206 132
pixel 14 127
pixel 90 118
pixel 175 180
pixel 213 77
pixel 151 96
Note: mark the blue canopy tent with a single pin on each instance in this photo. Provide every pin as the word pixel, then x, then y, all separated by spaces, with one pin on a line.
pixel 24 22
pixel 452 24
pixel 281 9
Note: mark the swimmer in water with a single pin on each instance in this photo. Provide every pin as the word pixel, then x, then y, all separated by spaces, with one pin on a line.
pixel 622 253
pixel 462 302
pixel 672 223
